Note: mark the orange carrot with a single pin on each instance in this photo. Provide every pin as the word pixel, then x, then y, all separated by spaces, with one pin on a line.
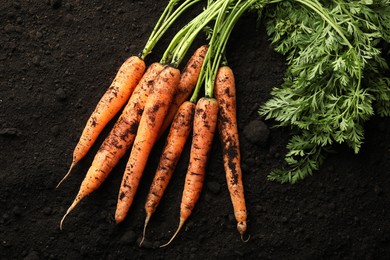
pixel 156 107
pixel 205 123
pixel 119 139
pixel 177 137
pixel 188 80
pixel 112 101
pixel 225 93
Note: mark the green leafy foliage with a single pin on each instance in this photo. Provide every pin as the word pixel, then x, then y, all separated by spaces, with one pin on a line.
pixel 335 78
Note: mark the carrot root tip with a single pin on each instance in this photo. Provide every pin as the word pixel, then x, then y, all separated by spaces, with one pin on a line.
pixel 245 240
pixel 63 218
pixel 75 202
pixel 118 218
pixel 174 235
pixel 144 231
pixel 66 175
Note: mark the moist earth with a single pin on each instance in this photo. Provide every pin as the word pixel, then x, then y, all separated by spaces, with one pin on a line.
pixel 56 60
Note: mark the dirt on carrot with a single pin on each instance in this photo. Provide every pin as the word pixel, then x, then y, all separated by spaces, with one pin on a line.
pixel 119 140
pixel 177 137
pixel 188 80
pixel 156 108
pixel 116 96
pixel 204 126
pixel 225 93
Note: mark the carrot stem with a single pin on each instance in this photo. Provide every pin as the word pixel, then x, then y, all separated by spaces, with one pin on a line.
pixel 164 22
pixel 223 27
pixel 167 56
pixel 210 13
pixel 181 42
pixel 207 66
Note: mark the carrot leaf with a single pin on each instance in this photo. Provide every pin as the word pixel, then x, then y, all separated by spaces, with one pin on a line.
pixel 335 80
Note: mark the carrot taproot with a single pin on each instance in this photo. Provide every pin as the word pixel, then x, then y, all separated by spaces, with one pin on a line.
pixel 188 80
pixel 225 93
pixel 204 126
pixel 177 137
pixel 115 97
pixel 156 107
pixel 119 140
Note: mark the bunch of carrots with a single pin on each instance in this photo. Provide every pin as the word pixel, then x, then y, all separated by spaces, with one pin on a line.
pixel 157 97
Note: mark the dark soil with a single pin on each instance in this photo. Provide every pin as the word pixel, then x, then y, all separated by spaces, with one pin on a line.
pixel 56 60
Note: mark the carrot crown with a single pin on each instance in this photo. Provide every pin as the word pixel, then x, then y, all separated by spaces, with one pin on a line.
pixel 227 18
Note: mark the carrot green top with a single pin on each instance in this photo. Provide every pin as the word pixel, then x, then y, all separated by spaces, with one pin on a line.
pixel 180 44
pixel 228 16
pixel 165 21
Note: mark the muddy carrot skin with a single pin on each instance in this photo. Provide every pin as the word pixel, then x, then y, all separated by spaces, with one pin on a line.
pixel 116 96
pixel 188 80
pixel 156 108
pixel 204 126
pixel 123 133
pixel 177 137
pixel 225 93
pixel 119 139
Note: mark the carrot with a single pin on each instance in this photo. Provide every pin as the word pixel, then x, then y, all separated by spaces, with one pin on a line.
pixel 205 123
pixel 225 93
pixel 119 139
pixel 112 101
pixel 188 80
pixel 177 137
pixel 124 83
pixel 156 107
